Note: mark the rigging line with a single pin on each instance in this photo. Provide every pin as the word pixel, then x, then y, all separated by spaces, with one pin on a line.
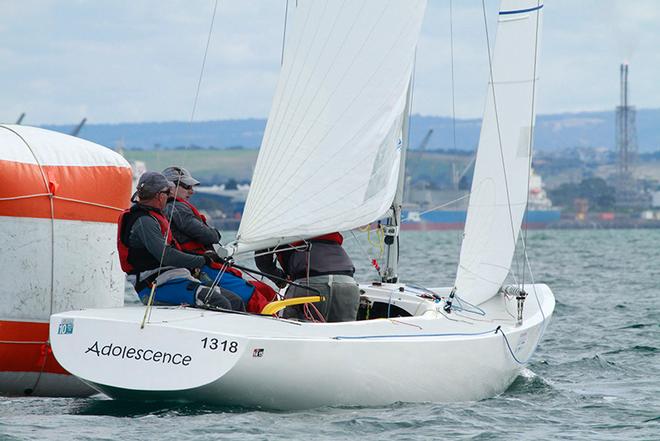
pixel 216 282
pixel 286 16
pixel 453 110
pixel 28 196
pixel 437 207
pixel 201 71
pixel 513 355
pixel 536 295
pixel 499 132
pixel 363 251
pixel 531 133
pixel 453 84
pixel 11 342
pixel 192 117
pixel 110 207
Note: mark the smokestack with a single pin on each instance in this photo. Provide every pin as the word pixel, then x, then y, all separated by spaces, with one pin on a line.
pixel 627 192
pixel 624 84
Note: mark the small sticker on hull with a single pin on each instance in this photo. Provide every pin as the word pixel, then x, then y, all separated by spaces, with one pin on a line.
pixel 65 327
pixel 258 353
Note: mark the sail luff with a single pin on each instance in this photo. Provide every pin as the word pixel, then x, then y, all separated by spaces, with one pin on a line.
pixel 498 197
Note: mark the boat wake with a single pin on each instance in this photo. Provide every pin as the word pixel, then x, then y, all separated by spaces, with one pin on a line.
pixel 138 409
pixel 528 383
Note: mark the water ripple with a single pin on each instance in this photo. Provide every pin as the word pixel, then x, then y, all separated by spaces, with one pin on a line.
pixel 594 376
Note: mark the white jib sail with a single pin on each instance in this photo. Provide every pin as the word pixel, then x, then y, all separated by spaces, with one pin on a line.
pixel 330 155
pixel 499 186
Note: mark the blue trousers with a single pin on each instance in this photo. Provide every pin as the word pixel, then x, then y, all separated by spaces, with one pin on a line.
pixel 231 283
pixel 179 291
pixel 172 292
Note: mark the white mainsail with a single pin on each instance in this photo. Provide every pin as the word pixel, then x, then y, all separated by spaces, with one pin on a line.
pixel 329 159
pixel 499 187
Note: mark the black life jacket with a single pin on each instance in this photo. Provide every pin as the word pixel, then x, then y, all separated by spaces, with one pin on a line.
pixel 327 258
pixel 137 259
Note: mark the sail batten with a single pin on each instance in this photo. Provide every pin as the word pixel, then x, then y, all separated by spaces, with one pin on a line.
pixel 498 197
pixel 329 160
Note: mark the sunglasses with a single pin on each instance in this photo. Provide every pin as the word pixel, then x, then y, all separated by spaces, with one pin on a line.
pixel 185 186
pixel 167 192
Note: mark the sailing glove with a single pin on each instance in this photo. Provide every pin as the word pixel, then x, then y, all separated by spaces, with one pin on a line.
pixel 211 256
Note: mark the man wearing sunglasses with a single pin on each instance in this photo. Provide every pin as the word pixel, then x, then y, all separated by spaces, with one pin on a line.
pixel 193 233
pixel 150 254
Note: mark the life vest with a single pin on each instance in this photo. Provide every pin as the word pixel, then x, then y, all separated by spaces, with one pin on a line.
pixel 135 260
pixel 192 246
pixel 327 238
pixel 283 257
pixel 330 237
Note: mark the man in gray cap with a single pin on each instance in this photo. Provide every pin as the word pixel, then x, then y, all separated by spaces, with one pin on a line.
pixel 188 224
pixel 150 255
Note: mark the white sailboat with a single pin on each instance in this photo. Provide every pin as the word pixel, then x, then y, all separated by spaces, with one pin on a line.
pixel 330 161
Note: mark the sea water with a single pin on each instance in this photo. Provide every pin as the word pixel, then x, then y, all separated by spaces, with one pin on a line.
pixel 595 376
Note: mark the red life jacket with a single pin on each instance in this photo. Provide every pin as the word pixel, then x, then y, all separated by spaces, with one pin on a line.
pixel 135 260
pixel 192 246
pixel 330 237
pixel 282 257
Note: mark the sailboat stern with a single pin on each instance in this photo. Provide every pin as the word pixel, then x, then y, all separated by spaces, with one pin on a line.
pixel 108 350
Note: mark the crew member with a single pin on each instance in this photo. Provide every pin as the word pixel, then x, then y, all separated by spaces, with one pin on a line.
pixel 194 235
pixel 149 253
pixel 323 265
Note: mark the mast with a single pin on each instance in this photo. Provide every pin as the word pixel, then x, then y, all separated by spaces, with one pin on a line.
pixel 391 230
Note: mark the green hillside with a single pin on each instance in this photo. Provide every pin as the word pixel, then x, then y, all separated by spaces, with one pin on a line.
pixel 208 165
pixel 217 166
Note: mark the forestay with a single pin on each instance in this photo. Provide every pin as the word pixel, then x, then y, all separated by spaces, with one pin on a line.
pixel 330 155
pixel 499 187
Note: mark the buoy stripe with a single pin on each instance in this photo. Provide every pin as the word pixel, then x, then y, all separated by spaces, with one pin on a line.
pixel 85 193
pixel 24 348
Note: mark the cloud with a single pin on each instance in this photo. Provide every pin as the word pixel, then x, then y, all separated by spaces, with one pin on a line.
pixel 140 60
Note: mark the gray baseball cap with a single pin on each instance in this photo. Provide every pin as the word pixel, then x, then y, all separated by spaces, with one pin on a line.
pixel 150 184
pixel 180 174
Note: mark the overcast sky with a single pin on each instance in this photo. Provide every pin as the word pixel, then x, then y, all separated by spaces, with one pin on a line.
pixel 139 60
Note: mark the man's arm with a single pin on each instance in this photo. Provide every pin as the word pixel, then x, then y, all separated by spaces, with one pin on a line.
pixel 187 223
pixel 147 230
pixel 266 264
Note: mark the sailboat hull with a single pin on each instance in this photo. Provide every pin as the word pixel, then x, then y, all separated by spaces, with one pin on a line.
pixel 241 360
